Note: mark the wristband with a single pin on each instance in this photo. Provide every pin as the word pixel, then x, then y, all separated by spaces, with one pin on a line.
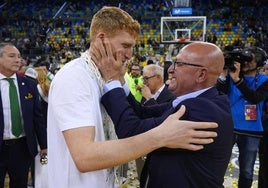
pixel 239 82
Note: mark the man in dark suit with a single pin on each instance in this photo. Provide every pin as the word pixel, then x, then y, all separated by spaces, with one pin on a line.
pixel 17 151
pixel 194 74
pixel 154 91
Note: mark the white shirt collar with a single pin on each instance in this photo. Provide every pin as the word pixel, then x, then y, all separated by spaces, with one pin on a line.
pixel 157 93
pixel 3 76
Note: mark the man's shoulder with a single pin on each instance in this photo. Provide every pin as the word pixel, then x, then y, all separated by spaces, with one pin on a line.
pixel 167 94
pixel 76 62
pixel 72 68
pixel 166 90
pixel 208 100
pixel 263 78
pixel 26 80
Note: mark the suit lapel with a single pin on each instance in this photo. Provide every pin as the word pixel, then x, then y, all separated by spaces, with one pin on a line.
pixel 165 96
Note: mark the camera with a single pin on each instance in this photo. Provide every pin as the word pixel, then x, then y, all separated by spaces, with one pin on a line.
pixel 233 55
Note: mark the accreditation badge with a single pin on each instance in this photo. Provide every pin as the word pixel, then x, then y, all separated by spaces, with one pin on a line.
pixel 251 112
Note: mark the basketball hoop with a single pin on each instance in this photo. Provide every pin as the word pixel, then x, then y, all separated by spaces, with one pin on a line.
pixel 184 39
pixel 182 29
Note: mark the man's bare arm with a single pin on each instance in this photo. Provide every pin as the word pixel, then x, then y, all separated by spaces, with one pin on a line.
pixel 173 133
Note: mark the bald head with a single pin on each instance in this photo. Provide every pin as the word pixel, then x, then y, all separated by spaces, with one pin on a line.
pixel 206 54
pixel 198 66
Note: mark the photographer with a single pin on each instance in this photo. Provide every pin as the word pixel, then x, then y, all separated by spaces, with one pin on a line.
pixel 247 91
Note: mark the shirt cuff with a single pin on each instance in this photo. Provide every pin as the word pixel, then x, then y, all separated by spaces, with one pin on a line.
pixel 108 86
pixel 239 82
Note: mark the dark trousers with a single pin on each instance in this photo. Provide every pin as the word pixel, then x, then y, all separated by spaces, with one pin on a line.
pixel 15 161
pixel 263 157
pixel 248 149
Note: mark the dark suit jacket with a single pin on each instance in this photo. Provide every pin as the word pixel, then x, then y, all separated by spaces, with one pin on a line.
pixel 176 167
pixel 164 96
pixel 34 124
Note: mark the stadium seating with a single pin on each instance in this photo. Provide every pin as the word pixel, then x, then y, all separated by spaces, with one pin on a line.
pixel 29 17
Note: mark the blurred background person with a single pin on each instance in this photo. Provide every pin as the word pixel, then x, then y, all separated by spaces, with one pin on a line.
pixel 154 91
pixel 56 70
pixel 31 73
pixel 135 81
pixel 43 86
pixel 247 91
pixel 167 75
pixel 23 67
pixel 264 69
pixel 46 66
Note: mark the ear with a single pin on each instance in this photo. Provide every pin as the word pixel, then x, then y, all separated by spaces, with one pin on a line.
pixel 202 75
pixel 100 35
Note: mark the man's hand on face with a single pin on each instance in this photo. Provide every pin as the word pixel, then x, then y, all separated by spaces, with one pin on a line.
pixel 146 92
pixel 102 54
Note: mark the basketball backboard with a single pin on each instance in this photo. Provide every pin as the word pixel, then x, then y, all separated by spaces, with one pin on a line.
pixel 183 29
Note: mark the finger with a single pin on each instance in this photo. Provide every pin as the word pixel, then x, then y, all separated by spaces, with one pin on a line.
pixel 102 47
pixel 198 144
pixel 119 59
pixel 108 48
pixel 94 54
pixel 194 147
pixel 204 125
pixel 117 63
pixel 204 134
pixel 95 50
pixel 201 141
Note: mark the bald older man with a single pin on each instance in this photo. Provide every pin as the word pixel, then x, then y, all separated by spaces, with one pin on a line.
pixel 194 75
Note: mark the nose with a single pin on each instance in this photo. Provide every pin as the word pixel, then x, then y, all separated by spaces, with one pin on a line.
pixel 144 81
pixel 171 69
pixel 129 53
pixel 18 59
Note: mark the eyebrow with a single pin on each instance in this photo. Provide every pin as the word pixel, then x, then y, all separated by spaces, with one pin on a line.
pixel 128 44
pixel 11 53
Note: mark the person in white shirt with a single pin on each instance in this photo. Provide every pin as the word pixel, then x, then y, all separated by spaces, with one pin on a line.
pixel 82 145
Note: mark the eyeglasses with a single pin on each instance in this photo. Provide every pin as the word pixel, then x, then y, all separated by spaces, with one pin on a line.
pixel 184 63
pixel 146 78
pixel 264 69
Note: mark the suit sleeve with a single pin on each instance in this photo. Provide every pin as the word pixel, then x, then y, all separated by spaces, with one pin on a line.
pixel 254 95
pixel 146 111
pixel 127 122
pixel 149 102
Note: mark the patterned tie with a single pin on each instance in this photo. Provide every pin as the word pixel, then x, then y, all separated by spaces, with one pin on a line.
pixel 14 108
